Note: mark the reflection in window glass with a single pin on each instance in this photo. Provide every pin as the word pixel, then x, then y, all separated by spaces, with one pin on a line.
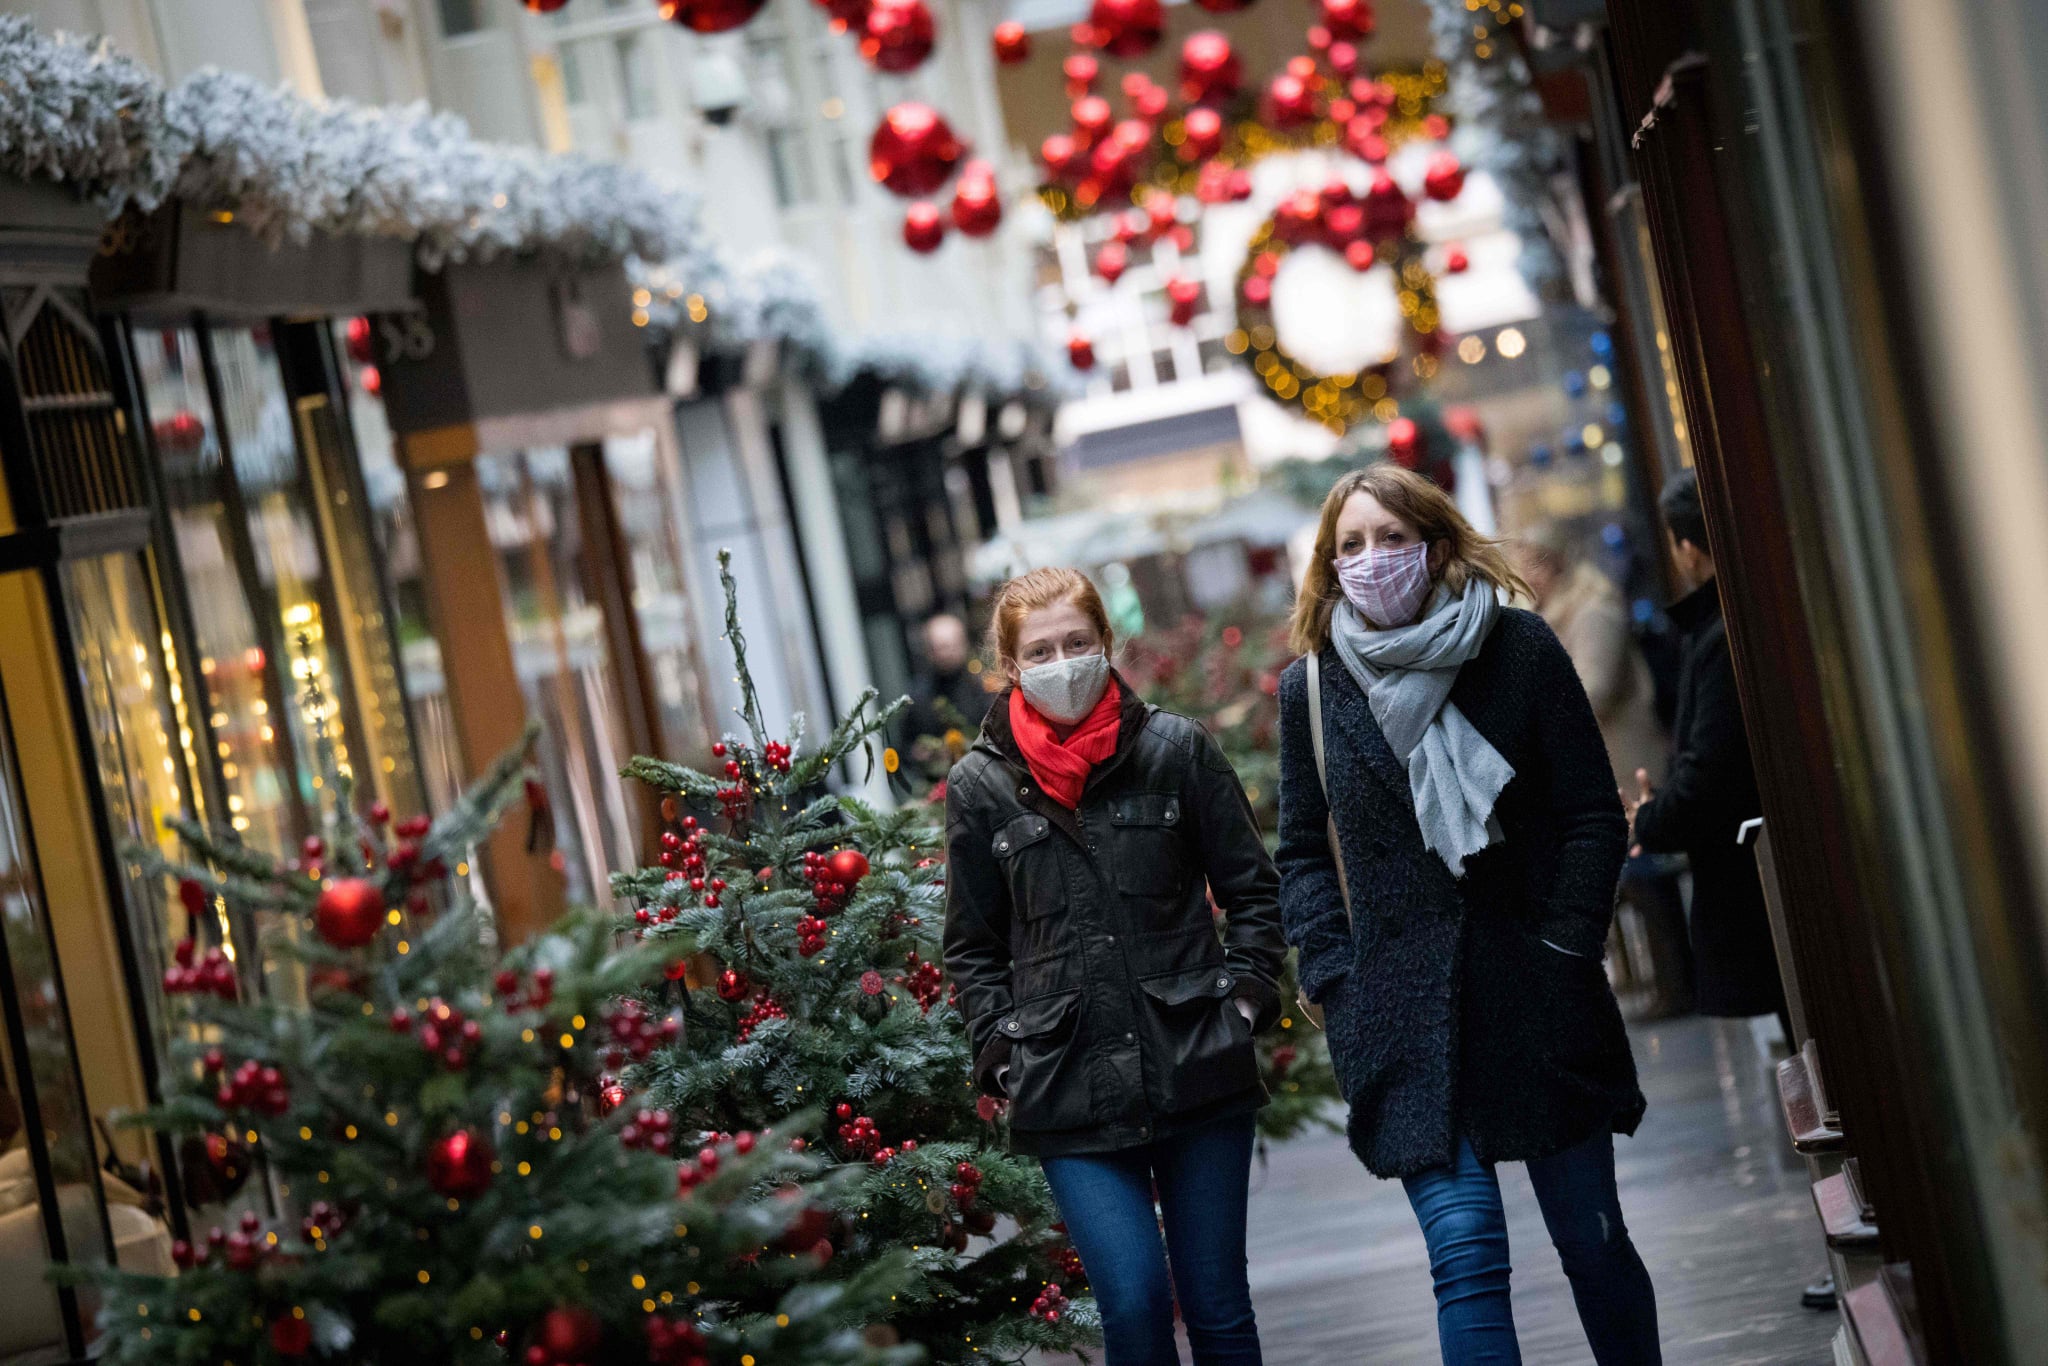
pixel 641 496
pixel 563 658
pixel 243 700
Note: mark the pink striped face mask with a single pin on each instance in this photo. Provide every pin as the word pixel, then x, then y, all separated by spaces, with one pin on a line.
pixel 1388 587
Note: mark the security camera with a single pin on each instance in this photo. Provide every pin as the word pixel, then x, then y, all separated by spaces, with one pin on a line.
pixel 718 88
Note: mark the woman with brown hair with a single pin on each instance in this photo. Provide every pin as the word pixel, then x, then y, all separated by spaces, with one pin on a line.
pixel 1086 833
pixel 1450 843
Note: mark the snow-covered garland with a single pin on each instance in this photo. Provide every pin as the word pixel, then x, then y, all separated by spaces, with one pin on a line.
pixel 73 111
pixel 1501 129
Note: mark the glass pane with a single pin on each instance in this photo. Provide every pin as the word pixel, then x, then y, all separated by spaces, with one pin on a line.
pixel 563 658
pixel 39 1079
pixel 242 695
pixel 398 550
pixel 285 544
pixel 642 495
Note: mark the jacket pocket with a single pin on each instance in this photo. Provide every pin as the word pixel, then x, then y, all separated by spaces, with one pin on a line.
pixel 1048 1081
pixel 1030 862
pixel 1149 852
pixel 1197 1048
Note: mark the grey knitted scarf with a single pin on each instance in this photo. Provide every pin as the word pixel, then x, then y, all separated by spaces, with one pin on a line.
pixel 1454 774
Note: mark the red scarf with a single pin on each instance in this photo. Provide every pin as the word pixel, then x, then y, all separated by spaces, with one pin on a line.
pixel 1062 766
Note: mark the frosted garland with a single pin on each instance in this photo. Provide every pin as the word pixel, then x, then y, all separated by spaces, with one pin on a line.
pixel 1501 129
pixel 74 111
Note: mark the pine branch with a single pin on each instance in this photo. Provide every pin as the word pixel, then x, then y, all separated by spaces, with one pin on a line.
pixel 750 701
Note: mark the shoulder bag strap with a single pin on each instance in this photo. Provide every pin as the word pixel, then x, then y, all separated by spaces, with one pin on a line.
pixel 1315 735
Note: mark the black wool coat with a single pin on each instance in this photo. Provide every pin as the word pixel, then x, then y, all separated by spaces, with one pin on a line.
pixel 1708 792
pixel 1449 1015
pixel 1083 942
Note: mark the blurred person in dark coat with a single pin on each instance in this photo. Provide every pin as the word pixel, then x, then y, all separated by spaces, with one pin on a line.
pixel 1710 789
pixel 947 694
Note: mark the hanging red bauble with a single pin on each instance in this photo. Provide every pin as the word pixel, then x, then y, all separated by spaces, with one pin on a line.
pixel 359 349
pixel 898 35
pixel 913 150
pixel 1201 134
pixel 1127 28
pixel 1182 295
pixel 1290 102
pixel 1444 177
pixel 847 866
pixel 1404 442
pixel 1348 18
pixel 1343 59
pixel 1456 262
pixel 710 16
pixel 1092 118
pixel 1150 102
pixel 1209 67
pixel 1061 156
pixel 733 985
pixel 569 1332
pixel 459 1164
pixel 372 383
pixel 1012 42
pixel 1387 208
pixel 1344 222
pixel 923 227
pixel 1358 255
pixel 977 205
pixel 1081 71
pixel 349 912
pixel 1299 218
pixel 179 434
pixel 845 14
pixel 291 1334
pixel 1111 261
pixel 1080 352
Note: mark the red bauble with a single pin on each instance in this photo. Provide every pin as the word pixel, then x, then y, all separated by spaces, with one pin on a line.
pixel 459 1164
pixel 1348 18
pixel 569 1332
pixel 1289 101
pixel 1343 58
pixel 1150 102
pixel 1358 255
pixel 372 382
pixel 898 35
pixel 847 867
pixel 846 14
pixel 1080 352
pixel 1258 291
pixel 359 349
pixel 291 1335
pixel 1387 209
pixel 1362 136
pixel 1061 155
pixel 1445 176
pixel 1127 28
pixel 923 227
pixel 913 150
pixel 1404 442
pixel 1012 43
pixel 179 434
pixel 1092 118
pixel 1182 297
pixel 1209 67
pixel 349 913
pixel 1436 127
pixel 733 985
pixel 1111 261
pixel 710 16
pixel 977 205
pixel 1456 262
pixel 1080 70
pixel 1202 133
pixel 1299 218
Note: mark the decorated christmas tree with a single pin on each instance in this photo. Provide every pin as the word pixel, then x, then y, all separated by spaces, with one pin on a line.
pixel 1227 676
pixel 804 931
pixel 452 1181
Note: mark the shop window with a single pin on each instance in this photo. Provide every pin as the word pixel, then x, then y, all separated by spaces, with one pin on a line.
pixel 561 651
pixel 460 17
pixel 643 500
pixel 636 78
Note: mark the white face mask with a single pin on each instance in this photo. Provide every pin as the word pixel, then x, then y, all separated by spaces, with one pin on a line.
pixel 1068 690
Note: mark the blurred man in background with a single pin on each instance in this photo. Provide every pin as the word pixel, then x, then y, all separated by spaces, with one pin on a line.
pixel 947 694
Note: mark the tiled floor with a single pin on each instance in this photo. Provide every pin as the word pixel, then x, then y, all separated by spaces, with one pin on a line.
pixel 1717 1202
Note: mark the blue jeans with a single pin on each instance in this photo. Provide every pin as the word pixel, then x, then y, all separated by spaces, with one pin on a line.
pixel 1467 1232
pixel 1203 1178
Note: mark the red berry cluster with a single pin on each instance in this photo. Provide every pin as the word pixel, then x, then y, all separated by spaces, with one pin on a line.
pixel 810 936
pixel 736 797
pixel 212 975
pixel 241 1250
pixel 1069 1263
pixel 690 1175
pixel 857 1132
pixel 827 892
pixel 648 1129
pixel 252 1086
pixel 405 855
pixel 765 1008
pixel 444 1032
pixel 321 1223
pixel 672 1342
pixel 540 988
pixel 925 981
pixel 776 755
pixel 634 1032
pixel 1050 1304
pixel 967 1187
